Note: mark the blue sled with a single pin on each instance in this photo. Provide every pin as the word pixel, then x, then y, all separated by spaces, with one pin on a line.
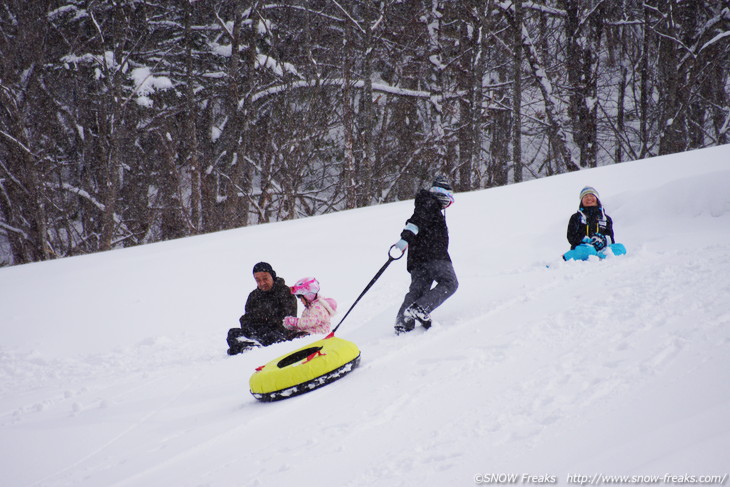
pixel 585 251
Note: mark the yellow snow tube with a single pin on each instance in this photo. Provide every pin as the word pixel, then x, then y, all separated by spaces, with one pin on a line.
pixel 305 369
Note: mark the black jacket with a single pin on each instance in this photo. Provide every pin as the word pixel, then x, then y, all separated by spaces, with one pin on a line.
pixel 432 240
pixel 268 308
pixel 586 222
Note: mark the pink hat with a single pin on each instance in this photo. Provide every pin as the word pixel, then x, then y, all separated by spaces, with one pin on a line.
pixel 307 287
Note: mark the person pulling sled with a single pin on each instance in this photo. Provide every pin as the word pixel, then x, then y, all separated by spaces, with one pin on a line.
pixel 426 238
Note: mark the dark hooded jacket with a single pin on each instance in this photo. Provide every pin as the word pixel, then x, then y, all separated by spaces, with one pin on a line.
pixel 432 240
pixel 588 221
pixel 268 308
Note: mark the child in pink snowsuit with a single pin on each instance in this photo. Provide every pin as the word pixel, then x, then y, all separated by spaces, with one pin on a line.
pixel 317 309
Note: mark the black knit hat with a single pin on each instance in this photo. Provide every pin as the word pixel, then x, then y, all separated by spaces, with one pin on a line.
pixel 264 267
pixel 441 190
pixel 442 182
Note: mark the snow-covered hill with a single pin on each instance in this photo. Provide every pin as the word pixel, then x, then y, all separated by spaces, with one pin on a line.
pixel 113 368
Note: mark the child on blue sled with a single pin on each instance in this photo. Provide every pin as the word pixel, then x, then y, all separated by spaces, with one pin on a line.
pixel 590 230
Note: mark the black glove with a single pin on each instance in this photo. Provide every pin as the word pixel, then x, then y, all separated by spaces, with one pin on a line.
pixel 599 241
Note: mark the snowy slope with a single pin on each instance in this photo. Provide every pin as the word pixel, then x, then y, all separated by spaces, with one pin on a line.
pixel 113 368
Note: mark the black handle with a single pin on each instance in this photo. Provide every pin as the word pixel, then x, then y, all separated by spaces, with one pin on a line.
pixel 370 284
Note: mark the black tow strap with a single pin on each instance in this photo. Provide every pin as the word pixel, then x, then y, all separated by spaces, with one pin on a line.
pixel 370 284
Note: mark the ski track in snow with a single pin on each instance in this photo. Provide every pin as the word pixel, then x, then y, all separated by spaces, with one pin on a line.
pixel 612 326
pixel 526 355
pixel 557 378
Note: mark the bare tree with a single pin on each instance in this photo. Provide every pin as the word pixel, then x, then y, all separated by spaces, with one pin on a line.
pixel 133 122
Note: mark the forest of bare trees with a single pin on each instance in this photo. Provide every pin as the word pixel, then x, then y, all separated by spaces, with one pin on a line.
pixel 124 122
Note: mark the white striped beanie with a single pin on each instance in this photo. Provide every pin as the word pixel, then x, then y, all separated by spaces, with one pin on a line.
pixel 588 190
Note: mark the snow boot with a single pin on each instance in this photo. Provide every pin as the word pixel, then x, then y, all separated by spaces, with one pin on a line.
pixel 241 346
pixel 404 325
pixel 417 312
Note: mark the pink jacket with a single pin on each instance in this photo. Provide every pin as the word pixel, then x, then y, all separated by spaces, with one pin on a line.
pixel 315 319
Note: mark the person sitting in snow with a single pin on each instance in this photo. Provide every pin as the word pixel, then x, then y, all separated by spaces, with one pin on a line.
pixel 590 230
pixel 318 310
pixel 426 237
pixel 266 307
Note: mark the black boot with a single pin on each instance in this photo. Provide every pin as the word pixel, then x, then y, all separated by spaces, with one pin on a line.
pixel 404 324
pixel 417 312
pixel 241 347
pixel 238 342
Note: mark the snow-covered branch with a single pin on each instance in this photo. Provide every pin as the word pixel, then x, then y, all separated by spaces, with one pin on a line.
pixel 377 87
